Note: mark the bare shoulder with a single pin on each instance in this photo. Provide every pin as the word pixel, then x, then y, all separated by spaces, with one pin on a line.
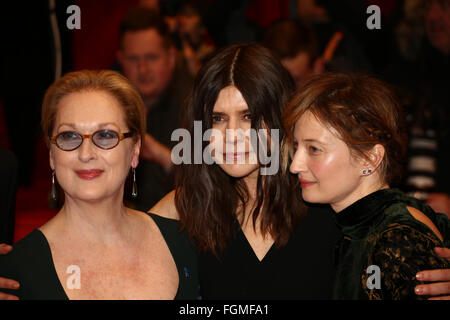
pixel 166 207
pixel 420 216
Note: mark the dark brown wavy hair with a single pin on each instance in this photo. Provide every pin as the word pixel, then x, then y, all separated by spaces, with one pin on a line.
pixel 362 109
pixel 206 197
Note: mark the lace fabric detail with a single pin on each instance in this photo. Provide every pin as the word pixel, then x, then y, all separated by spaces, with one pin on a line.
pixel 400 252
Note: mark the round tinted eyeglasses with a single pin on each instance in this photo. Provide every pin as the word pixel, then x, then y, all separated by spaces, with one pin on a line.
pixel 104 139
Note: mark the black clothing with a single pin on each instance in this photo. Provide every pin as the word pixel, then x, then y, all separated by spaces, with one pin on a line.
pixel 31 263
pixel 8 188
pixel 379 231
pixel 30 61
pixel 303 269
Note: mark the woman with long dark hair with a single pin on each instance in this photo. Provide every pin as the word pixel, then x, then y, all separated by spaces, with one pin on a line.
pixel 243 212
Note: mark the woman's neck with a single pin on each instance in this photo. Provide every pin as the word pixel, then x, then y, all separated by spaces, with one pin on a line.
pixel 259 240
pixel 104 221
pixel 251 183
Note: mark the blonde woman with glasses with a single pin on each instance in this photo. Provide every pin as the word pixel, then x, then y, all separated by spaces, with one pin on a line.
pixel 95 247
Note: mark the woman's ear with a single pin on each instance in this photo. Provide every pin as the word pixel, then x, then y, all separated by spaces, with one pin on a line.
pixel 51 160
pixel 376 155
pixel 135 153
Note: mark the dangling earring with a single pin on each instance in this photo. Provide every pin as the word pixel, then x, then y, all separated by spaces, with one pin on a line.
pixel 134 187
pixel 53 190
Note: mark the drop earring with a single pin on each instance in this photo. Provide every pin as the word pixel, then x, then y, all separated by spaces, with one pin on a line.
pixel 134 187
pixel 53 189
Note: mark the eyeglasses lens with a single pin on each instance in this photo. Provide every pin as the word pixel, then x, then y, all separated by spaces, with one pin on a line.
pixel 68 140
pixel 104 139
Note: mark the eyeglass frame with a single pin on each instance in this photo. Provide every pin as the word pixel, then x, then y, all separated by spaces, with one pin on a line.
pixel 89 136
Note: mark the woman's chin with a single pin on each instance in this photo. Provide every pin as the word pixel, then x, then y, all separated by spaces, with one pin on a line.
pixel 311 196
pixel 239 170
pixel 90 196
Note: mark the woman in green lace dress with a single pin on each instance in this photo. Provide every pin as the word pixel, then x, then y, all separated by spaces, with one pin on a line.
pixel 347 146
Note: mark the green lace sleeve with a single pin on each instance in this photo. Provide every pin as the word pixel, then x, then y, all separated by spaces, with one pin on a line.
pixel 401 252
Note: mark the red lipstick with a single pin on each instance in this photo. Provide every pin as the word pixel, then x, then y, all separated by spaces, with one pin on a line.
pixel 89 174
pixel 305 183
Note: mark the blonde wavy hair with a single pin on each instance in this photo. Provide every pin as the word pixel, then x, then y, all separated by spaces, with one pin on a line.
pixel 108 81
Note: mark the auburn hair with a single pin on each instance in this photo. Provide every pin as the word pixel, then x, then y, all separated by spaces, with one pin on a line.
pixel 363 110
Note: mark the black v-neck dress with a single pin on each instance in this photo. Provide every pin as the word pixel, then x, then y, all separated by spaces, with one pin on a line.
pixel 303 269
pixel 31 263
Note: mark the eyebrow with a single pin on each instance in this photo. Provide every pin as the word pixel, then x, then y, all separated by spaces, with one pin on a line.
pixel 100 125
pixel 243 111
pixel 314 140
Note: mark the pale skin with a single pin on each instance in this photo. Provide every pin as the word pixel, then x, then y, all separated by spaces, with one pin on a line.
pixel 121 252
pixel 322 160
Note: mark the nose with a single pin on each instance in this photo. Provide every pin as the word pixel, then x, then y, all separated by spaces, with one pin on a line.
pixel 87 150
pixel 231 130
pixel 142 66
pixel 236 130
pixel 236 137
pixel 298 164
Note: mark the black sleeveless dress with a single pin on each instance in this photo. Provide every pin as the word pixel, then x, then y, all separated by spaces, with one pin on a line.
pixel 31 263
